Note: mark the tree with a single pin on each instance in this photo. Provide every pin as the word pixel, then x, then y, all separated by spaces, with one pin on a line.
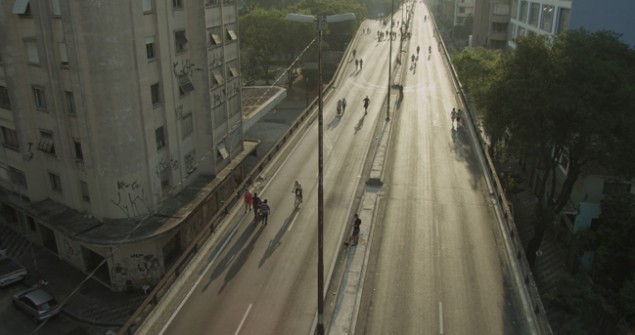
pixel 570 97
pixel 260 40
pixel 476 67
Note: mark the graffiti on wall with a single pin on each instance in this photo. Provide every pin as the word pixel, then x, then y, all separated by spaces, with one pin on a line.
pixel 166 163
pixel 185 66
pixel 137 268
pixel 70 251
pixel 131 199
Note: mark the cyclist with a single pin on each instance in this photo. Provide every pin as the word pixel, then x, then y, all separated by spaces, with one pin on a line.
pixel 366 103
pixel 297 190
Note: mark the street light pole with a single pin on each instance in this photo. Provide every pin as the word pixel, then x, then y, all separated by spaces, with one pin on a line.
pixel 392 9
pixel 320 270
pixel 319 330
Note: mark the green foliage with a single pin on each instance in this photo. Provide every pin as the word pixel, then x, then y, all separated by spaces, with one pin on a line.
pixel 476 67
pixel 571 95
pixel 574 293
pixel 268 39
pixel 614 262
pixel 627 299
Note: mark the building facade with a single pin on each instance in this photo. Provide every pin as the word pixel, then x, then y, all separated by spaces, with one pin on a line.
pixel 549 17
pixel 111 111
pixel 491 22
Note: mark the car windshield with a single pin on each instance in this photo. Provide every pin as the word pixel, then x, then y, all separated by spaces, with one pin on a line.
pixel 48 305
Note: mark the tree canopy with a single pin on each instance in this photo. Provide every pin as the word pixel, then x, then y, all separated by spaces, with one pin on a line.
pixel 570 97
pixel 267 39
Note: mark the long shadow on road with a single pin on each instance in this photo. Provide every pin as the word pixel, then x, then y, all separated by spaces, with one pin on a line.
pixel 275 241
pixel 232 252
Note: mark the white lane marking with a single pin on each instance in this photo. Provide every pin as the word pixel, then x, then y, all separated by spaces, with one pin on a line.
pixel 440 317
pixel 189 293
pixel 243 320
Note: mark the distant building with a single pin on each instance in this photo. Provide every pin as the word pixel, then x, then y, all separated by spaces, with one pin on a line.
pixel 491 23
pixel 121 128
pixel 550 17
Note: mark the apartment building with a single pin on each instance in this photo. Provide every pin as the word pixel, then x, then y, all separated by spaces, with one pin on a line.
pixel 121 127
pixel 491 22
pixel 548 17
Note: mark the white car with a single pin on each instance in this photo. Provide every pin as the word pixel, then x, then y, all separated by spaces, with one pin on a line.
pixel 36 302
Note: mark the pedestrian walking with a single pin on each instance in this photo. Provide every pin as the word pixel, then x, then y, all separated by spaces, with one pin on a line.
pixel 248 198
pixel 256 205
pixel 354 238
pixel 361 63
pixel 265 209
pixel 344 104
pixel 356 63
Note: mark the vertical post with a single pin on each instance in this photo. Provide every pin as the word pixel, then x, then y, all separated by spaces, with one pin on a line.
pixel 320 271
pixel 306 86
pixel 392 8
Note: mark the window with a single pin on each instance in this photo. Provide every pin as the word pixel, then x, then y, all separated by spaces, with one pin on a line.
pixel 10 138
pixel 615 188
pixel 147 6
pixel 218 77
pixel 233 70
pixel 499 27
pixel 221 151
pixel 501 9
pixel 156 94
pixel 32 54
pixel 214 37
pixel 159 135
pixel 190 161
pixel 533 14
pixel 231 35
pixel 79 154
pixel 180 40
pixel 70 103
pixel 57 11
pixel 187 125
pixel 177 4
pixel 185 85
pixel 547 18
pixel 39 98
pixel 150 50
pixel 46 142
pixel 563 20
pixel 56 182
pixel 165 178
pixel 83 187
pixel 22 8
pixel 4 98
pixel 17 177
pixel 63 54
pixel 523 11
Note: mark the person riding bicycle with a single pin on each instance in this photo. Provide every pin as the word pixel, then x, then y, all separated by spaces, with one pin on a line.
pixel 297 190
pixel 366 103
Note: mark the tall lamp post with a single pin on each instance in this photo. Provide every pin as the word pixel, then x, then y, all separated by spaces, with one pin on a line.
pixel 320 273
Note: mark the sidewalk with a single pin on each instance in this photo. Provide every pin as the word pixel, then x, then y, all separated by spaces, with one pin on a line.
pixel 92 304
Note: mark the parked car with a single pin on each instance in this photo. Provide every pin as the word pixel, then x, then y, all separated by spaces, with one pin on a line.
pixel 10 270
pixel 37 303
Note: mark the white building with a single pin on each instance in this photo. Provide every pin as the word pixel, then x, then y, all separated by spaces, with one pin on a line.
pixel 114 115
pixel 549 17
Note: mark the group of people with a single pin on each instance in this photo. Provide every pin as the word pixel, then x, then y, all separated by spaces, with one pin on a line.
pixel 261 207
pixel 262 210
pixel 456 116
